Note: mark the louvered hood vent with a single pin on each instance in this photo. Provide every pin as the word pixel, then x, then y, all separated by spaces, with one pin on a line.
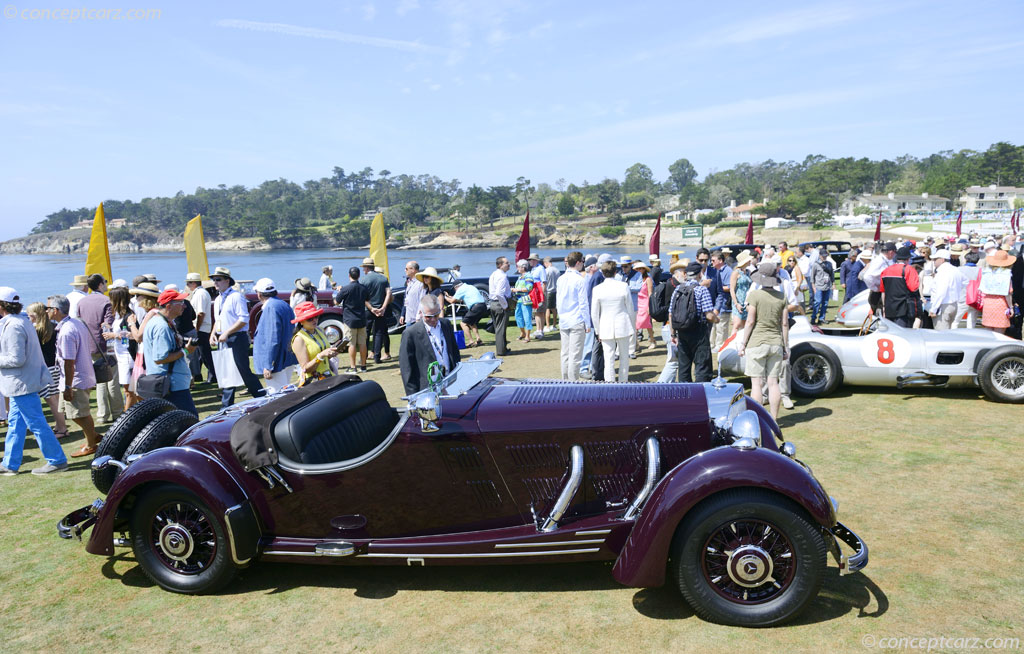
pixel 537 391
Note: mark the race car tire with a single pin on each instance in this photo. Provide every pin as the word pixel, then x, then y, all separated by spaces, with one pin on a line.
pixel 163 431
pixel 119 437
pixel 814 370
pixel 748 558
pixel 1001 374
pixel 179 542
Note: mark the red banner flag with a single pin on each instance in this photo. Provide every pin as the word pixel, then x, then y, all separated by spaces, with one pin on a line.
pixel 878 228
pixel 1015 221
pixel 959 221
pixel 655 244
pixel 750 231
pixel 523 244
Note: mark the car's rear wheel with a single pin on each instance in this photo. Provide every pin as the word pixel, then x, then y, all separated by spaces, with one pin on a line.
pixel 332 328
pixel 163 431
pixel 748 558
pixel 119 437
pixel 815 370
pixel 1001 374
pixel 179 542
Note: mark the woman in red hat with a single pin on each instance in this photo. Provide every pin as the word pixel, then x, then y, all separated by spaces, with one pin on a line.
pixel 310 345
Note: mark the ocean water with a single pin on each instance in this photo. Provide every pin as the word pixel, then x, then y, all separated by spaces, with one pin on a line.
pixel 36 277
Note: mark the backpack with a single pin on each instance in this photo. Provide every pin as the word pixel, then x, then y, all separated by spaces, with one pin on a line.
pixel 684 308
pixel 974 295
pixel 659 301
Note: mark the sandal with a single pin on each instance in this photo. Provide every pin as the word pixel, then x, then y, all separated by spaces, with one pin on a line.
pixel 61 434
pixel 479 342
pixel 85 450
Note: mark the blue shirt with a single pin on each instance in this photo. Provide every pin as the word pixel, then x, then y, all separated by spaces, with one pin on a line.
pixel 723 303
pixel 469 295
pixel 271 348
pixel 158 342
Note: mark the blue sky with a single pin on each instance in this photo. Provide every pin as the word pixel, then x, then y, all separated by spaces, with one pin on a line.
pixel 237 93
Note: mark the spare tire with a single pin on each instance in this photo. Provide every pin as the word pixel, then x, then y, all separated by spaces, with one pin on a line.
pixel 121 434
pixel 161 432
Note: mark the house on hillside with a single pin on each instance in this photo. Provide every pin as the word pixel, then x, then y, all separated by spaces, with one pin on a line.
pixel 743 211
pixel 990 198
pixel 895 202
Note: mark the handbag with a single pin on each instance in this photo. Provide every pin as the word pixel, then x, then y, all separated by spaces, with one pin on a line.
pixel 105 366
pixel 153 386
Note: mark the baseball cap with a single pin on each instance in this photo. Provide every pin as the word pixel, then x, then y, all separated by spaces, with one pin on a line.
pixel 590 261
pixel 889 247
pixel 604 256
pixel 694 268
pixel 264 285
pixel 8 294
pixel 170 295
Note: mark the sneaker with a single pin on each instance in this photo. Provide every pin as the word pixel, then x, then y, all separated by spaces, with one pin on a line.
pixel 49 467
pixel 537 334
pixel 786 402
pixel 7 472
pixel 362 368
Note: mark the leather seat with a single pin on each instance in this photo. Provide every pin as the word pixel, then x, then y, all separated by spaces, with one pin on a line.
pixel 342 425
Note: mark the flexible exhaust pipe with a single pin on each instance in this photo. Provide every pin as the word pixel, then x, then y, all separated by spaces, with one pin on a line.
pixel 653 474
pixel 572 485
pixel 921 379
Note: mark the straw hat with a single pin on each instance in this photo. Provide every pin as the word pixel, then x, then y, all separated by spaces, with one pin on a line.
pixel 640 265
pixel 221 271
pixel 368 261
pixel 193 277
pixel 305 311
pixel 151 278
pixel 676 266
pixel 304 284
pixel 429 271
pixel 1000 259
pixel 743 258
pixel 80 280
pixel 145 288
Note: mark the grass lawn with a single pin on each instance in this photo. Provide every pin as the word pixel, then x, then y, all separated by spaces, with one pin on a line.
pixel 929 478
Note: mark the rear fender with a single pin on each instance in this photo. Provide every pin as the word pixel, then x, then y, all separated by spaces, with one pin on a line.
pixel 641 562
pixel 200 473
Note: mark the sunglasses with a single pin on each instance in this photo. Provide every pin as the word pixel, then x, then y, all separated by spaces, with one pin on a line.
pixel 702 260
pixel 431 315
pixel 218 279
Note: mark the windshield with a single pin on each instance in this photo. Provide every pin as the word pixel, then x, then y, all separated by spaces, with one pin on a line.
pixel 466 375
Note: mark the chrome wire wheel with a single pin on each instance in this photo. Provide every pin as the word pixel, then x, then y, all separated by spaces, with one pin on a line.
pixel 813 371
pixel 748 561
pixel 1008 376
pixel 183 538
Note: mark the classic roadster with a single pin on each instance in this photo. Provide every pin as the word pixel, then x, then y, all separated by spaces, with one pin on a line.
pixel 686 481
pixel 881 353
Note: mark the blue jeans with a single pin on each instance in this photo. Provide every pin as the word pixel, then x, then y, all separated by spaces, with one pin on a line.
pixel 183 400
pixel 820 304
pixel 27 411
pixel 588 351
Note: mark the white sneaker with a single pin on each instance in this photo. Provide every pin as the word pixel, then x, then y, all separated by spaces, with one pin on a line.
pixel 786 402
pixel 537 334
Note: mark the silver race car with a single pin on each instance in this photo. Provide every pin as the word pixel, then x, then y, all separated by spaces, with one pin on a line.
pixel 882 353
pixel 855 311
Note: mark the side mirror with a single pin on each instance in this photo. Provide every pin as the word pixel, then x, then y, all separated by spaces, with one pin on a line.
pixel 428 408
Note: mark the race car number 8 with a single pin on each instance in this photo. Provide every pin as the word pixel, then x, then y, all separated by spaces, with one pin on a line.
pixel 886 354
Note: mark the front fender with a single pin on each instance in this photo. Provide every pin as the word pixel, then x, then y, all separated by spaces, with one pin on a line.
pixel 199 472
pixel 641 563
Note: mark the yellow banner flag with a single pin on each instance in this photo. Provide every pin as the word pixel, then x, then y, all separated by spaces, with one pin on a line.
pixel 378 250
pixel 195 248
pixel 98 259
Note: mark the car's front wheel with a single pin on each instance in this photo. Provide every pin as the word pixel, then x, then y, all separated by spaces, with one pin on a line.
pixel 815 370
pixel 179 542
pixel 748 558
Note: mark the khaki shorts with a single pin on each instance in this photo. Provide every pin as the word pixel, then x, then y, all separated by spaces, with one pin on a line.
pixel 764 361
pixel 354 335
pixel 78 407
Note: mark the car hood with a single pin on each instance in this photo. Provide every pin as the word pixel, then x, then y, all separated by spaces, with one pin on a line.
pixel 544 404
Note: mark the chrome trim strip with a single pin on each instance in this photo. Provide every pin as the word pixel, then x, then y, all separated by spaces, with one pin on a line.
pixel 231 536
pixel 281 553
pixel 594 532
pixel 353 463
pixel 551 544
pixel 653 473
pixel 479 555
pixel 572 485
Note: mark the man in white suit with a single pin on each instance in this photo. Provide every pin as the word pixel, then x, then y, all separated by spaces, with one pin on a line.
pixel 614 318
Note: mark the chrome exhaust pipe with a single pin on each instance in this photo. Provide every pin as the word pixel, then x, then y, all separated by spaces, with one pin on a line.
pixel 921 379
pixel 572 485
pixel 653 473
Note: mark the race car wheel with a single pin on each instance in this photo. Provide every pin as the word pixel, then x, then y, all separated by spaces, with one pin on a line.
pixel 332 328
pixel 1001 374
pixel 179 542
pixel 163 431
pixel 121 434
pixel 748 558
pixel 815 370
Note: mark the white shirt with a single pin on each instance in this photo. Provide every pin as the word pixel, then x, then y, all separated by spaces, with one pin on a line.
pixel 202 304
pixel 73 298
pixel 611 310
pixel 436 337
pixel 571 300
pixel 325 283
pixel 498 288
pixel 872 273
pixel 229 308
pixel 946 287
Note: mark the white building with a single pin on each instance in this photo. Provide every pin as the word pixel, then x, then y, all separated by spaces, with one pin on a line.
pixel 743 211
pixel 895 202
pixel 989 198
pixel 778 223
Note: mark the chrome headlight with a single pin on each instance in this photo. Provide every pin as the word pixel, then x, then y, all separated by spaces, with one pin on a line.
pixel 747 425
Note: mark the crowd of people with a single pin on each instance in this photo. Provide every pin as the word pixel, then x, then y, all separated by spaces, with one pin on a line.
pixel 119 343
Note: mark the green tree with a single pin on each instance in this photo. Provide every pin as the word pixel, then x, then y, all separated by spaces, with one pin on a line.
pixel 565 205
pixel 681 173
pixel 638 179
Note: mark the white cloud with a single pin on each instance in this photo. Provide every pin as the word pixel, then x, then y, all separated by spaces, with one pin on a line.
pixel 538 31
pixel 782 24
pixel 332 35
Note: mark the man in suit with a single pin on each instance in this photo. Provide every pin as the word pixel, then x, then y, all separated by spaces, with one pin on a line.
pixel 614 319
pixel 428 340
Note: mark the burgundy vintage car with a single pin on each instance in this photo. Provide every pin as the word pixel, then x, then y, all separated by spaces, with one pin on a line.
pixel 686 482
